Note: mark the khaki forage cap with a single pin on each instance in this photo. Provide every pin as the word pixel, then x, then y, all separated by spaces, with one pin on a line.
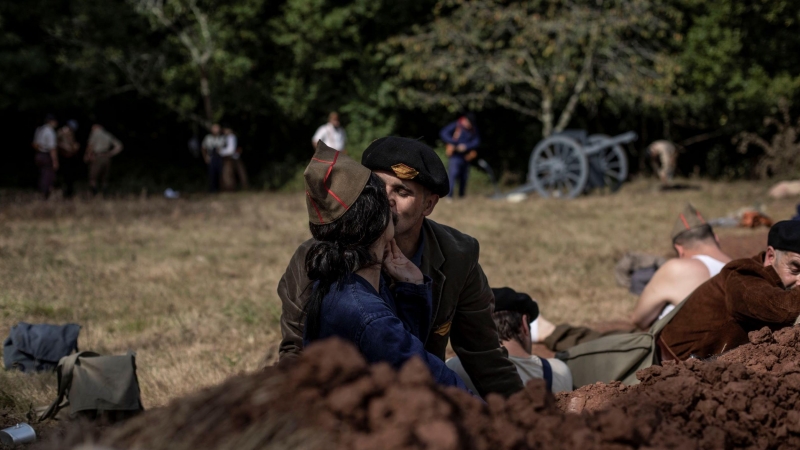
pixel 688 219
pixel 333 182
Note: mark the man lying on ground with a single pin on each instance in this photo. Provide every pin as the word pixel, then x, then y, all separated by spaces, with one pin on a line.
pixel 699 259
pixel 415 179
pixel 747 295
pixel 512 313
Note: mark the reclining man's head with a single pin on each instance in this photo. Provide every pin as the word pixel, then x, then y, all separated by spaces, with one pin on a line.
pixel 783 252
pixel 513 327
pixel 691 234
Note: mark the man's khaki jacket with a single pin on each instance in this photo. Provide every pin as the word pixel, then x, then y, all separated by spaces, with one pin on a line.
pixel 462 308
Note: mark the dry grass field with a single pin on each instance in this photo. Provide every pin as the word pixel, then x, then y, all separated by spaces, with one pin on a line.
pixel 189 284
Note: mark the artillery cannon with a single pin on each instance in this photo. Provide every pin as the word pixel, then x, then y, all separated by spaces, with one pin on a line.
pixel 570 163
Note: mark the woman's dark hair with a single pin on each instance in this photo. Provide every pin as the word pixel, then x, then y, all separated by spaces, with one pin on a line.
pixel 343 246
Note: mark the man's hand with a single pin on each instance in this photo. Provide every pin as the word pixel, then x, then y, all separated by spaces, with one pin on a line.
pixel 461 148
pixel 399 267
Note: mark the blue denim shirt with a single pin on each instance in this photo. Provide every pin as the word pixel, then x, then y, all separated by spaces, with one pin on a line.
pixel 384 326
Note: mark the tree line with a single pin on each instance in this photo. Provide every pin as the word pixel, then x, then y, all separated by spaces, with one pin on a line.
pixel 706 75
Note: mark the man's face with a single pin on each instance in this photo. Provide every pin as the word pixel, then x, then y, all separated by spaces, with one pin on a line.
pixel 787 264
pixel 409 201
pixel 215 129
pixel 334 120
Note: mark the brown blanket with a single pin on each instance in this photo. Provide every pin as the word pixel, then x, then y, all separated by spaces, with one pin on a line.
pixel 745 296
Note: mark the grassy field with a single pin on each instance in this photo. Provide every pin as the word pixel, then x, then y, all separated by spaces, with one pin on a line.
pixel 189 285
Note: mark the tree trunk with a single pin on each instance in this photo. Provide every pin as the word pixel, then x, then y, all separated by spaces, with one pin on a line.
pixel 547 114
pixel 205 91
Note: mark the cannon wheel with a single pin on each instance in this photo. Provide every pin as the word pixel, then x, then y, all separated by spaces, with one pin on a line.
pixel 611 162
pixel 558 168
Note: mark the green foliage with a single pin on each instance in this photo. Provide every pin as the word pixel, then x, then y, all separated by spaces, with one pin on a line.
pixel 536 57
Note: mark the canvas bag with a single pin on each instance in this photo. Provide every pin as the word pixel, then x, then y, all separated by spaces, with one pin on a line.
pixel 93 385
pixel 616 357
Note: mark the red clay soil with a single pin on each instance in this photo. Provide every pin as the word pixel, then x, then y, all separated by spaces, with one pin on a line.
pixel 332 399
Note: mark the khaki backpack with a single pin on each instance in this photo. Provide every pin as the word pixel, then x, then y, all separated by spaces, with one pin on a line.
pixel 95 386
pixel 616 357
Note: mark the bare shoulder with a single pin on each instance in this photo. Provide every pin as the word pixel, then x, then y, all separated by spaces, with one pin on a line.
pixel 683 269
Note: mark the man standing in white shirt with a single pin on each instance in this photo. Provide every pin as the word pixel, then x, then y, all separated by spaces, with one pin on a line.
pixel 332 134
pixel 44 142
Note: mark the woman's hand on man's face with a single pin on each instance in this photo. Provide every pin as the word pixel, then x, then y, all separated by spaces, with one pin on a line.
pixel 399 267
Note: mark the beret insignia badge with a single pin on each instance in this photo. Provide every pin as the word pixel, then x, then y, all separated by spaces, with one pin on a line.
pixel 404 172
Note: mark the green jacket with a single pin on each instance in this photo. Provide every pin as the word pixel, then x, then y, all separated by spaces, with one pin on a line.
pixel 462 308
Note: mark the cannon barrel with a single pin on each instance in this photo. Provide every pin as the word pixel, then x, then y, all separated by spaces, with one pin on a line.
pixel 623 138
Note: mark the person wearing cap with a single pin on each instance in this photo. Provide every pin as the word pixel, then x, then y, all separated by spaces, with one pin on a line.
pixel 462 140
pixel 68 155
pixel 699 259
pixel 46 159
pixel 462 302
pixel 364 289
pixel 747 295
pixel 102 146
pixel 513 311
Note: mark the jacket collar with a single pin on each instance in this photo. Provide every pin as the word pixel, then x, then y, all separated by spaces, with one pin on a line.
pixel 432 262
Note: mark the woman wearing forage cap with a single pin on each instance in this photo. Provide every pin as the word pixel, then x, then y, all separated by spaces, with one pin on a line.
pixel 364 289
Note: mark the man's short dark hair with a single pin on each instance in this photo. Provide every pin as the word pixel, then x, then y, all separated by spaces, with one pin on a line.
pixel 694 235
pixel 508 325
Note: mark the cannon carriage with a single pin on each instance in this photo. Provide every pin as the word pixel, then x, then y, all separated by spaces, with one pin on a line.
pixel 572 162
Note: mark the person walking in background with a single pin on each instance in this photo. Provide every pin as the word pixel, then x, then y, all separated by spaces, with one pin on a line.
pixel 68 155
pixel 46 159
pixel 663 152
pixel 212 145
pixel 462 140
pixel 332 134
pixel 102 146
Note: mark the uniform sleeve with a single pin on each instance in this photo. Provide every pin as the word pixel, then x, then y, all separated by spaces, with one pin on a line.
pixel 385 339
pixel 446 134
pixel 750 295
pixel 294 290
pixel 474 338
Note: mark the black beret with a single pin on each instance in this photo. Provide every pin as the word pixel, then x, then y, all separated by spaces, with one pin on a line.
pixel 408 159
pixel 785 235
pixel 507 299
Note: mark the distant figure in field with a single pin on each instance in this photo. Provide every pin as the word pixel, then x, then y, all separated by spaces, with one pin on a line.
pixel 699 259
pixel 46 159
pixel 102 146
pixel 332 134
pixel 664 158
pixel 213 144
pixel 462 140
pixel 68 155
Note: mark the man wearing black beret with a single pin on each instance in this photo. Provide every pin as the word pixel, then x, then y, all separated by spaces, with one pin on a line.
pixel 747 295
pixel 415 179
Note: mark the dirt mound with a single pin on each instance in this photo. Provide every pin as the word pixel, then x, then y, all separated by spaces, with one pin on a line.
pixel 332 398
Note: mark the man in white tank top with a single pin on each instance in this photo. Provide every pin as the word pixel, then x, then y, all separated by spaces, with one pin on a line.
pixel 699 259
